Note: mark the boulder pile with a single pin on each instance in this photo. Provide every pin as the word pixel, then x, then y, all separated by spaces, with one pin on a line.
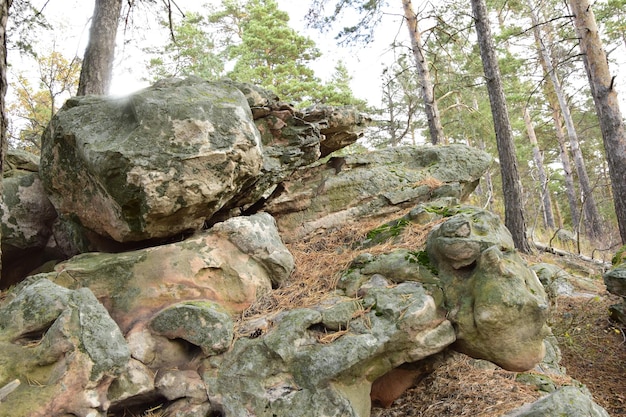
pixel 152 222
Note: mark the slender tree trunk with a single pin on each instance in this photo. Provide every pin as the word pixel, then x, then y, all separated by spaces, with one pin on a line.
pixel 95 76
pixel 548 217
pixel 5 5
pixel 593 224
pixel 428 92
pixel 511 185
pixel 607 105
pixel 570 188
pixel 391 108
pixel 553 102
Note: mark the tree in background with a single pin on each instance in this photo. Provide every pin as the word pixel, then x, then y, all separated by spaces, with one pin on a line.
pixel 511 185
pixel 368 14
pixel 273 55
pixel 97 69
pixel 191 51
pixel 337 91
pixel 428 94
pixel 593 223
pixel 401 105
pixel 58 79
pixel 602 85
pixel 5 6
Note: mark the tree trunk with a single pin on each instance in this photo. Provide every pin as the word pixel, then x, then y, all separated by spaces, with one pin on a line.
pixel 607 105
pixel 5 5
pixel 511 186
pixel 95 76
pixel 570 189
pixel 593 224
pixel 428 92
pixel 548 217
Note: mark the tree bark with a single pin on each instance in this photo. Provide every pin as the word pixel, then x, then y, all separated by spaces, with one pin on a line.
pixel 5 5
pixel 606 103
pixel 96 73
pixel 548 217
pixel 511 186
pixel 593 224
pixel 428 92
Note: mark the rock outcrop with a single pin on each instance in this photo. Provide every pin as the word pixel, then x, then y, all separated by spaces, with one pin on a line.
pixel 615 281
pixel 348 188
pixel 173 205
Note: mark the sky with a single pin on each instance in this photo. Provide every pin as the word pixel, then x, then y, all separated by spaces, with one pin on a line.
pixel 364 63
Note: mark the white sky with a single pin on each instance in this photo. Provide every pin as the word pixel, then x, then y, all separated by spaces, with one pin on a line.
pixel 365 63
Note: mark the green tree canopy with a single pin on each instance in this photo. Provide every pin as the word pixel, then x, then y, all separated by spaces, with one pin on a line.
pixel 273 55
pixel 191 51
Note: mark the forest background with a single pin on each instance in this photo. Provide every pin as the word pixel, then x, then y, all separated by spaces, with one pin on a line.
pixel 361 54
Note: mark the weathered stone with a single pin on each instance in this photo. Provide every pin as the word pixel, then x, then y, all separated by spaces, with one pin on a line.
pixel 134 385
pixel 72 357
pixel 27 214
pixel 292 139
pixel 566 401
pixel 158 352
pixel 153 164
pixel 555 280
pixel 352 187
pixel 299 368
pixel 340 126
pixel 615 280
pixel 498 306
pixel 135 285
pixel 187 408
pixel 201 323
pixel 174 384
pixel 20 161
pixel 618 312
pixel 27 217
pixel 258 237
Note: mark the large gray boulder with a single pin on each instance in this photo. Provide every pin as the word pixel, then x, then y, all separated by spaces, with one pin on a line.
pixel 136 285
pixel 27 217
pixel 566 401
pixel 308 365
pixel 615 280
pixel 292 139
pixel 349 188
pixel 497 304
pixel 153 164
pixel 62 346
pixel 180 155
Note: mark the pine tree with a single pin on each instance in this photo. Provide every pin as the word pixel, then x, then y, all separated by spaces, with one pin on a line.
pixel 191 51
pixel 271 54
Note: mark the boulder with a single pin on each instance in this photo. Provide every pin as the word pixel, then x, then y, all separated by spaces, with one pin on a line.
pixel 153 164
pixel 496 303
pixel 27 218
pixel 348 188
pixel 566 401
pixel 136 285
pixel 615 280
pixel 63 346
pixel 293 139
pixel 304 366
pixel 180 155
pixel 554 279
pixel 201 323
